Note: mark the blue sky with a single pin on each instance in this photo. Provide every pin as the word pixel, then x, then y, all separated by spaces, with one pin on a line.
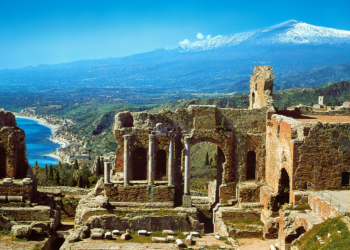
pixel 36 32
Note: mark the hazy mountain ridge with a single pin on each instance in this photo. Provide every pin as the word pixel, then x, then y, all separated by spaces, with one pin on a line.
pixel 165 74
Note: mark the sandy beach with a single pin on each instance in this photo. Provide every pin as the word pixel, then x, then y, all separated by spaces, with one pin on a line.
pixel 41 122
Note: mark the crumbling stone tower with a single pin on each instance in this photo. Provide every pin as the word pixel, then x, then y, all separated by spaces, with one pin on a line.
pixel 261 84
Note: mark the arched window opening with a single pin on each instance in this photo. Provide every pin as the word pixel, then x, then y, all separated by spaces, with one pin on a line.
pixel 160 164
pixel 2 162
pixel 253 98
pixel 128 121
pixel 283 190
pixel 345 179
pixel 139 164
pixel 251 165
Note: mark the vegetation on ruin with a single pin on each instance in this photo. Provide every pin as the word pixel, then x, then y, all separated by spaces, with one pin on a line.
pixel 328 232
pixel 74 175
pixel 300 207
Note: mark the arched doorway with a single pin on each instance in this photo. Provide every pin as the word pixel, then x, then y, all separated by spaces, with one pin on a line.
pixel 251 165
pixel 21 166
pixel 207 161
pixel 161 160
pixel 139 164
pixel 283 190
pixel 2 162
pixel 295 234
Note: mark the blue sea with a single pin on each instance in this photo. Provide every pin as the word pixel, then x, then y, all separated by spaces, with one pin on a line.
pixel 37 142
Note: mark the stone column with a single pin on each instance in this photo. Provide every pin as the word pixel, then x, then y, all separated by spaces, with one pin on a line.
pixel 171 159
pixel 151 160
pixel 107 172
pixel 187 164
pixel 186 199
pixel 126 159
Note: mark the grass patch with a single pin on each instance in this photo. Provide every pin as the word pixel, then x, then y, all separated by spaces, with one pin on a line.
pixel 245 221
pixel 300 207
pixel 336 241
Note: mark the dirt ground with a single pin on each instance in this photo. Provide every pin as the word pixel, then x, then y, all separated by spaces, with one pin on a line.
pixel 255 244
pixel 7 243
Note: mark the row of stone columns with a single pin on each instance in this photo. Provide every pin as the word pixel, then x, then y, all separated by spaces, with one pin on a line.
pixel 151 170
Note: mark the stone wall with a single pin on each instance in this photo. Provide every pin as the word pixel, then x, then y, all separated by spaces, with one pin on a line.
pixel 38 213
pixel 13 160
pixel 27 191
pixel 139 193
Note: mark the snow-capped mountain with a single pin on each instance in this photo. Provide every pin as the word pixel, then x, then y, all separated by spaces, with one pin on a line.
pixel 287 33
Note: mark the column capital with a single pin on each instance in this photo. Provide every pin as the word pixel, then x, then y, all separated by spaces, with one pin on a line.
pixel 127 137
pixel 172 134
pixel 151 136
pixel 187 139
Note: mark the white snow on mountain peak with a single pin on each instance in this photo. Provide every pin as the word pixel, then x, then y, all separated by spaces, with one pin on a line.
pixel 290 32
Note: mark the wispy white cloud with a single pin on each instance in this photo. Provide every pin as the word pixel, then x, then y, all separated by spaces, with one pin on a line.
pixel 186 41
pixel 200 36
pixel 208 36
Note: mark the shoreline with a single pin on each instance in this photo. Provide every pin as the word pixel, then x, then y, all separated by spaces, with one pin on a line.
pixel 53 129
pixel 43 122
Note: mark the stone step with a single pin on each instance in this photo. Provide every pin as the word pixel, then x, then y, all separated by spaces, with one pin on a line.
pixel 250 205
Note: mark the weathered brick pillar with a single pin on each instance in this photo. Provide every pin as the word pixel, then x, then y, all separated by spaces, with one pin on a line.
pixel 171 159
pixel 126 159
pixel 151 160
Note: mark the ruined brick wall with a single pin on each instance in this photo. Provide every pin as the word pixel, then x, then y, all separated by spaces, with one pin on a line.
pixel 321 208
pixel 27 191
pixel 279 150
pixel 317 152
pixel 139 193
pixel 323 156
pixel 261 84
pixel 13 160
pixel 38 213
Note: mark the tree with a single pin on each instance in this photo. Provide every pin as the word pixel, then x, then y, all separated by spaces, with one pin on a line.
pixel 46 172
pixel 102 166
pixel 51 173
pixel 206 163
pixel 76 165
pixel 98 167
pixel 57 177
pixel 80 181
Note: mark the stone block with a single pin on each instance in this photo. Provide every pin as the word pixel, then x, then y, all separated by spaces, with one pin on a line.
pixel 195 234
pixel 188 240
pixel 180 243
pixel 3 199
pixel 125 236
pixel 108 235
pixel 171 238
pixel 15 198
pixel 115 232
pixel 96 236
pixel 21 231
pixel 186 201
pixel 170 232
pixel 142 232
pixel 161 239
